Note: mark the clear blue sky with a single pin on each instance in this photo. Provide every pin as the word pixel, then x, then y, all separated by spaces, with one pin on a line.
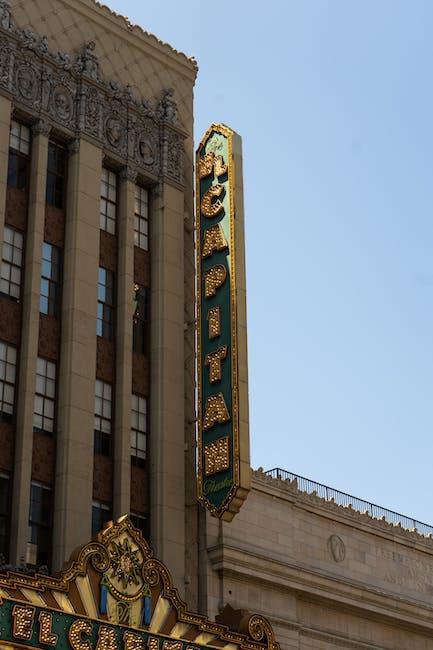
pixel 334 101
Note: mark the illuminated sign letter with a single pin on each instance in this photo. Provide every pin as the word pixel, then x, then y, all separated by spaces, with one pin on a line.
pixel 208 208
pixel 213 360
pixel 76 631
pixel 46 635
pixel 106 639
pixel 214 320
pixel 132 641
pixel 23 622
pixel 215 411
pixel 213 279
pixel 214 240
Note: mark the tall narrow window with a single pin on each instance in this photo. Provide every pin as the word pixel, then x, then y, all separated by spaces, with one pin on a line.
pixel 4 517
pixel 10 277
pixel 8 370
pixel 141 218
pixel 103 417
pixel 19 155
pixel 140 323
pixel 138 430
pixel 43 418
pixel 104 323
pixel 40 525
pixel 56 175
pixel 101 513
pixel 49 300
pixel 108 201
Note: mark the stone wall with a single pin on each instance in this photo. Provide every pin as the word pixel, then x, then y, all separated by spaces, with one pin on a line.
pixel 325 575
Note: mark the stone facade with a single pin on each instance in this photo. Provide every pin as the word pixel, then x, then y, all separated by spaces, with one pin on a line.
pixel 326 576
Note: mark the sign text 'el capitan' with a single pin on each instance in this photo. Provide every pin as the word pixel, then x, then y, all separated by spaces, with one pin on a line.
pixel 223 431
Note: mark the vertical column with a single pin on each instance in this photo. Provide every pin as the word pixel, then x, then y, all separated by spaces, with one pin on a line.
pixel 125 275
pixel 29 343
pixel 167 381
pixel 5 125
pixel 74 462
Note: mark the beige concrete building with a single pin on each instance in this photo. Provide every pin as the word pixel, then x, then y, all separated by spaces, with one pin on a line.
pixel 97 366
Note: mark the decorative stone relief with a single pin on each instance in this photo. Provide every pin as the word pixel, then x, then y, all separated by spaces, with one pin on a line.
pixel 337 548
pixel 68 92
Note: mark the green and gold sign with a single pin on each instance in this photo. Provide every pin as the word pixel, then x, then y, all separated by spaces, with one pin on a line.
pixel 223 427
pixel 114 595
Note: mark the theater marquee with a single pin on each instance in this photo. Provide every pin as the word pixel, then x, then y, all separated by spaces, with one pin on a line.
pixel 114 596
pixel 223 427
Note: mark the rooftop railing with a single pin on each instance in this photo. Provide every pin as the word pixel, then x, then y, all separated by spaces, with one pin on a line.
pixel 343 499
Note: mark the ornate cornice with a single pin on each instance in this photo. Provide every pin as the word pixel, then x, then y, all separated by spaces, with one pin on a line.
pixel 67 92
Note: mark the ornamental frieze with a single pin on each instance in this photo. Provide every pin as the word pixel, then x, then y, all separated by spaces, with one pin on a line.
pixel 67 91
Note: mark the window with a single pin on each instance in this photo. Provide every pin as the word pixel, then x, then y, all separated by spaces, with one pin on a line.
pixel 49 300
pixel 101 513
pixel 43 418
pixel 142 523
pixel 103 417
pixel 19 155
pixel 8 367
pixel 39 546
pixel 56 175
pixel 139 329
pixel 107 220
pixel 138 430
pixel 10 277
pixel 4 518
pixel 104 323
pixel 141 218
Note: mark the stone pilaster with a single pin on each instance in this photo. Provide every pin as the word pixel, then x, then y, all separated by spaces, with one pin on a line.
pixel 125 280
pixel 74 463
pixel 167 381
pixel 29 343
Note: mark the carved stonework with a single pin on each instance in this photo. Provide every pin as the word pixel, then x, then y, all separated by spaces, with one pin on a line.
pixel 337 548
pixel 41 128
pixel 67 91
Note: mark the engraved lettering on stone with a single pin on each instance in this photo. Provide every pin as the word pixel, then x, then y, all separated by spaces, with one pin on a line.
pixel 337 548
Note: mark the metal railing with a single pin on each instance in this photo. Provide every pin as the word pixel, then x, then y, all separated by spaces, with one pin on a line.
pixel 343 499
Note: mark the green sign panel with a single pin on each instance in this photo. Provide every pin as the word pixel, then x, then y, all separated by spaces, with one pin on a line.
pixel 37 627
pixel 223 435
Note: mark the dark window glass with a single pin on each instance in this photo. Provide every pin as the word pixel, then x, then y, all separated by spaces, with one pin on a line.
pixel 103 418
pixel 40 526
pixel 141 218
pixel 138 430
pixel 142 523
pixel 50 276
pixel 104 323
pixel 4 519
pixel 100 515
pixel 140 323
pixel 56 175
pixel 43 416
pixel 108 208
pixel 12 262
pixel 8 368
pixel 19 155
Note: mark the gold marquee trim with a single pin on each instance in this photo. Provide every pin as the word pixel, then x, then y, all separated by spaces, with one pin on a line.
pixel 72 592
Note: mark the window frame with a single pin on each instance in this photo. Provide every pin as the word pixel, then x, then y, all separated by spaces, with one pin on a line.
pixel 19 155
pixel 4 381
pixel 103 414
pixel 141 235
pixel 101 507
pixel 108 201
pixel 55 193
pixel 52 298
pixel 43 524
pixel 105 308
pixel 46 396
pixel 11 269
pixel 140 323
pixel 138 455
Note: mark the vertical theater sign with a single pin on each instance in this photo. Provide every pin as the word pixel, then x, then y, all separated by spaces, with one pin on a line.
pixel 223 432
pixel 114 595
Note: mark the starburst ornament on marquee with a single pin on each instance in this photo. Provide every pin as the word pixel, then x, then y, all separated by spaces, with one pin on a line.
pixel 125 563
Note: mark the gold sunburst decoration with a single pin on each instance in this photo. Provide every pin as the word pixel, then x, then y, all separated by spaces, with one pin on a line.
pixel 125 563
